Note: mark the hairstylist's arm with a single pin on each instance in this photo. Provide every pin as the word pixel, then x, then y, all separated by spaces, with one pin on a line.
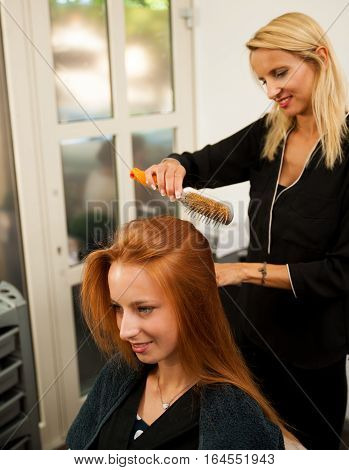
pixel 169 175
pixel 277 275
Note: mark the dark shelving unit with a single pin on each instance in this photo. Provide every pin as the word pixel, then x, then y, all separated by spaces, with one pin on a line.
pixel 19 409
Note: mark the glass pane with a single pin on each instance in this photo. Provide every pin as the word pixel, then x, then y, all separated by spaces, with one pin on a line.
pixel 148 56
pixel 90 194
pixel 79 38
pixel 90 359
pixel 11 255
pixel 149 148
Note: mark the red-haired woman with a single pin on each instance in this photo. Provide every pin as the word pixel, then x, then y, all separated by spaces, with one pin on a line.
pixel 176 379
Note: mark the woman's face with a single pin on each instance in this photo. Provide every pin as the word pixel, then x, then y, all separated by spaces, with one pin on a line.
pixel 144 315
pixel 288 79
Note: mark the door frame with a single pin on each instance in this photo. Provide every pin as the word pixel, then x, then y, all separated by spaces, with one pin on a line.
pixel 36 135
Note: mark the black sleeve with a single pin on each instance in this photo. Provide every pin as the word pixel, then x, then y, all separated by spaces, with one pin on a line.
pixel 328 277
pixel 226 162
pixel 89 414
pixel 231 419
pixel 255 430
pixel 98 400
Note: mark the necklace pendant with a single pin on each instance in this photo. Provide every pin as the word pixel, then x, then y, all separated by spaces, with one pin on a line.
pixel 165 406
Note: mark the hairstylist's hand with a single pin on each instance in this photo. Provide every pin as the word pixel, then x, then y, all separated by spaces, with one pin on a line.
pixel 229 274
pixel 169 174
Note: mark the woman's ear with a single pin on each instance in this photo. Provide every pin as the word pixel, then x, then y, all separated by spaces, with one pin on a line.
pixel 322 52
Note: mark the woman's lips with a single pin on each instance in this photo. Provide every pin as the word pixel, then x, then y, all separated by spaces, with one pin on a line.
pixel 285 102
pixel 140 347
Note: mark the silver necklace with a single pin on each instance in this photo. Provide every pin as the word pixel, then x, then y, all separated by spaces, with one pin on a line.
pixel 166 405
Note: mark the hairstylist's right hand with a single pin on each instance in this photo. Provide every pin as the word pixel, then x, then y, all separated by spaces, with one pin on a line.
pixel 169 175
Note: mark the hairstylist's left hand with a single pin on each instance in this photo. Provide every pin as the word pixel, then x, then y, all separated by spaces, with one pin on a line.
pixel 229 274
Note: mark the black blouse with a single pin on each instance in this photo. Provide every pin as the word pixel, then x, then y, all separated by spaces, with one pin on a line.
pixel 176 428
pixel 306 227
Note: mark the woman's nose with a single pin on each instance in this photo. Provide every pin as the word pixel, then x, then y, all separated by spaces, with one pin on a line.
pixel 129 326
pixel 272 90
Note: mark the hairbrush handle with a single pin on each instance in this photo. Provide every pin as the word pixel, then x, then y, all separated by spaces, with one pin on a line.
pixel 139 175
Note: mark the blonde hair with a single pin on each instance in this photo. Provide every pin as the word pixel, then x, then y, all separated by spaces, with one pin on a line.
pixel 301 35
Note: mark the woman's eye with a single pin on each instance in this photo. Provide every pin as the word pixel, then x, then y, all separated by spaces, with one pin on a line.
pixel 116 308
pixel 280 73
pixel 145 309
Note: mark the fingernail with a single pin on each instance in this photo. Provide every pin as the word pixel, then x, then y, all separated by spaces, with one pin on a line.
pixel 178 194
pixel 163 193
pixel 172 199
pixel 153 186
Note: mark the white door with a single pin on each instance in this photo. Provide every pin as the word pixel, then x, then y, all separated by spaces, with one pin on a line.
pixel 95 87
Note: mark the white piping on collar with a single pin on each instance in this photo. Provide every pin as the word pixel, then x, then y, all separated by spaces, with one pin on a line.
pixel 304 167
pixel 288 187
pixel 272 204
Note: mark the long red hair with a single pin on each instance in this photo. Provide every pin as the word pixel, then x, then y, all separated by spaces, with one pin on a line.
pixel 179 259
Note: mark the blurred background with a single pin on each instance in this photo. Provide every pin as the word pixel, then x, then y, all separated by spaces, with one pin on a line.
pixel 88 90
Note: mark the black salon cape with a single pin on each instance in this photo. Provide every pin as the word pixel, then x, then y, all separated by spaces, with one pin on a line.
pixel 228 418
pixel 305 227
pixel 176 429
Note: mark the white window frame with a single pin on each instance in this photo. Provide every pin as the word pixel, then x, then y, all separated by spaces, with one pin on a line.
pixel 36 135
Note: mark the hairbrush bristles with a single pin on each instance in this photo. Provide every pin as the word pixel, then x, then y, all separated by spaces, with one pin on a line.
pixel 202 207
pixel 206 208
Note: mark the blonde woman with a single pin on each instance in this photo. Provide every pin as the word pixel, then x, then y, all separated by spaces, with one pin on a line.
pixel 291 316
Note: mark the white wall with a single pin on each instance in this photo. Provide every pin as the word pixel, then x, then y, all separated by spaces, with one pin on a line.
pixel 227 98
